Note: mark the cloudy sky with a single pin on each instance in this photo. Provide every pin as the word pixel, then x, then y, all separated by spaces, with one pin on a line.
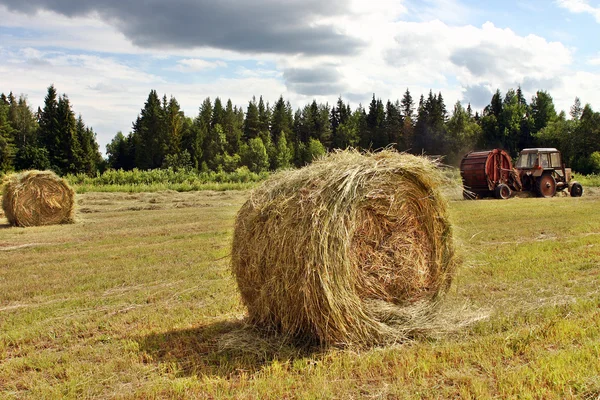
pixel 107 55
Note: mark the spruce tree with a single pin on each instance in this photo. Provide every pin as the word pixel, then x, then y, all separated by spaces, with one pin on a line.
pixel 150 134
pixel 392 125
pixel 408 107
pixel 202 128
pixel 264 118
pixel 375 124
pixel 218 113
pixel 175 120
pixel 68 156
pixel 252 121
pixel 49 127
pixel 7 149
pixel 232 128
pixel 281 120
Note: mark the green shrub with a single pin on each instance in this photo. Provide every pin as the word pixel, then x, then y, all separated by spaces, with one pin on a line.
pixel 162 179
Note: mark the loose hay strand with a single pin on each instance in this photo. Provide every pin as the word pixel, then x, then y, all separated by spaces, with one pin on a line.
pixel 343 250
pixel 35 198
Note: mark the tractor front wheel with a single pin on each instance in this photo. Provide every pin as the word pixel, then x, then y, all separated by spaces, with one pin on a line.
pixel 576 189
pixel 546 186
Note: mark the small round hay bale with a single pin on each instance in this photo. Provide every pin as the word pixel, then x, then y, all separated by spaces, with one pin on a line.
pixel 354 249
pixel 34 198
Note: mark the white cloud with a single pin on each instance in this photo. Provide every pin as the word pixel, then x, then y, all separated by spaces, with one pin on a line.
pixel 449 11
pixel 580 6
pixel 594 60
pixel 108 82
pixel 109 94
pixel 198 64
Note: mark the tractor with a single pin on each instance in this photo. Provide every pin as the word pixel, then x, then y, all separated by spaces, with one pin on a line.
pixel 538 170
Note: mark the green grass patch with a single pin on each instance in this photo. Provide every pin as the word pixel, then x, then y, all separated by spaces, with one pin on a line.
pixel 592 180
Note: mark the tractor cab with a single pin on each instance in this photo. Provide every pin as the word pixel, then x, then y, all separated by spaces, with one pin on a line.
pixel 539 160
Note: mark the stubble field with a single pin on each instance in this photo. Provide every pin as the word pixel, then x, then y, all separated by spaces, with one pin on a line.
pixel 136 300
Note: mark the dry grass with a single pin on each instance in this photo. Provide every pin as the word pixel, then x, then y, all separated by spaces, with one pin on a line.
pixel 128 304
pixel 36 198
pixel 355 249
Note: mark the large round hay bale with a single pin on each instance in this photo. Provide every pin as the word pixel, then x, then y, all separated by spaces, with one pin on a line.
pixel 354 249
pixel 34 198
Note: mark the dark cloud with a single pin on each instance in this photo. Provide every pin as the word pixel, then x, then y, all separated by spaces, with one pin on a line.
pixel 478 95
pixel 270 26
pixel 318 81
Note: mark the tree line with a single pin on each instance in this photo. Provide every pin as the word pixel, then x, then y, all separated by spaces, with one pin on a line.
pixel 50 138
pixel 225 137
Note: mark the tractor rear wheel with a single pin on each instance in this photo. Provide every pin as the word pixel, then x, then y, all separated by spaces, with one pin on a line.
pixel 576 190
pixel 546 186
pixel 502 191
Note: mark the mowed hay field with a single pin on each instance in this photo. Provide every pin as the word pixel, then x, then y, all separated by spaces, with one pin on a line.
pixel 136 300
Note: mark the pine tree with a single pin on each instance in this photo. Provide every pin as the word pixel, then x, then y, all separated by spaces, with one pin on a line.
pixel 576 109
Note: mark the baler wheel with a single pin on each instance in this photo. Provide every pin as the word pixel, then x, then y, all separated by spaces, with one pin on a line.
pixel 502 191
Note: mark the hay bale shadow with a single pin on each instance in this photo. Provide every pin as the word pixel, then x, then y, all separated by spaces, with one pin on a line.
pixel 225 349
